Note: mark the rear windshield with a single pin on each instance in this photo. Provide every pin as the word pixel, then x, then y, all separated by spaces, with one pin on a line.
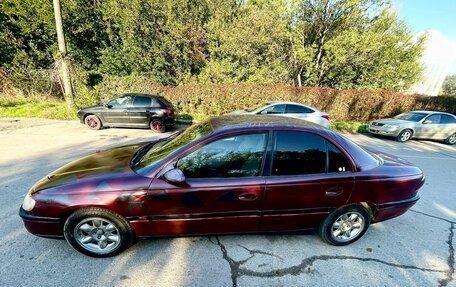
pixel 412 117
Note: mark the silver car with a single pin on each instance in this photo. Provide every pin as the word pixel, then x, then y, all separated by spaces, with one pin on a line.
pixel 417 124
pixel 289 109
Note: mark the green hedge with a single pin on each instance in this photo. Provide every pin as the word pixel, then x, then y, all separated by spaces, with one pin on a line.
pixel 217 99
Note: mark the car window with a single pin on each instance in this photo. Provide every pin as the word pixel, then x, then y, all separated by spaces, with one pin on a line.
pixel 140 102
pixel 337 162
pixel 276 109
pixel 412 116
pixel 446 119
pixel 120 102
pixel 237 156
pixel 298 153
pixel 295 109
pixel 434 119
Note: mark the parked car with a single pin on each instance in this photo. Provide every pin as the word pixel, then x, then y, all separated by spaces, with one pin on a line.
pixel 417 124
pixel 130 110
pixel 289 109
pixel 230 174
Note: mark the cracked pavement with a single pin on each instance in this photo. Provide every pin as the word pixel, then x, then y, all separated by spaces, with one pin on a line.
pixel 416 249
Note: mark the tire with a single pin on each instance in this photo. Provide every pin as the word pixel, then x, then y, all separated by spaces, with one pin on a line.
pixel 338 219
pixel 451 140
pixel 404 136
pixel 157 125
pixel 93 122
pixel 101 240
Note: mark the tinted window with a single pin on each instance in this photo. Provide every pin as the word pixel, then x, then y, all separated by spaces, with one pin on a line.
pixel 121 102
pixel 140 102
pixel 295 109
pixel 435 119
pixel 446 119
pixel 238 156
pixel 337 162
pixel 277 109
pixel 298 153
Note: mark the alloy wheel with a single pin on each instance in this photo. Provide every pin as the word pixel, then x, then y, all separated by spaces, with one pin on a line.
pixel 452 139
pixel 97 235
pixel 347 226
pixel 406 136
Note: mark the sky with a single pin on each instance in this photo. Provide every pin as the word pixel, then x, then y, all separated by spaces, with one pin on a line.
pixel 422 15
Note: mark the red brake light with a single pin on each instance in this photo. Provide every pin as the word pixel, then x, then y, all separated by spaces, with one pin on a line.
pixel 325 117
pixel 167 111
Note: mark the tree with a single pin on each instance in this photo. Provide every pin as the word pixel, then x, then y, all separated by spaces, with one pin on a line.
pixel 449 86
pixel 353 44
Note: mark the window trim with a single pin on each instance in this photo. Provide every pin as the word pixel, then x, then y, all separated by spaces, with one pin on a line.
pixel 200 145
pixel 298 105
pixel 347 157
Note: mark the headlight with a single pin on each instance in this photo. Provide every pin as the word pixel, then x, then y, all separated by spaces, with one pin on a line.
pixel 390 127
pixel 29 202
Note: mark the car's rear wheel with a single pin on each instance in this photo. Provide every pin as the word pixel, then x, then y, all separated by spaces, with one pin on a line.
pixel 157 125
pixel 451 140
pixel 404 136
pixel 98 232
pixel 345 225
pixel 93 122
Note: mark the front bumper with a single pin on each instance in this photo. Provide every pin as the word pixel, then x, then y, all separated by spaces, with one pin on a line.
pixel 383 131
pixel 42 226
pixel 393 209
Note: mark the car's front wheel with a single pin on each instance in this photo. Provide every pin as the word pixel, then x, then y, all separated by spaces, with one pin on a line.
pixel 345 225
pixel 404 136
pixel 98 232
pixel 93 122
pixel 451 140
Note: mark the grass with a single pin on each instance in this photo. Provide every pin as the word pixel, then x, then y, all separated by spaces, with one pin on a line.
pixel 349 127
pixel 36 108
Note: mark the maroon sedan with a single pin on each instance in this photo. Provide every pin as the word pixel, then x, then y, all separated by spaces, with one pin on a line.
pixel 232 174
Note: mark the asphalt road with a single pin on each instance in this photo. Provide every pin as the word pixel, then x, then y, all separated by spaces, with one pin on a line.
pixel 416 249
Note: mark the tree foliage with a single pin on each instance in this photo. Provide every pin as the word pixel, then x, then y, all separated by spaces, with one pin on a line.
pixel 327 43
pixel 449 86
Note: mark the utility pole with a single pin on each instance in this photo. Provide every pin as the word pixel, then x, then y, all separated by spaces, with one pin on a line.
pixel 62 62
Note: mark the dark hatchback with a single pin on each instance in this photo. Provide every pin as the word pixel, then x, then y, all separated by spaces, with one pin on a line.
pixel 130 110
pixel 232 174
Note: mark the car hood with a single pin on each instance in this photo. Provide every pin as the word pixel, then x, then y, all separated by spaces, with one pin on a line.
pixel 391 121
pixel 239 112
pixel 115 160
pixel 92 108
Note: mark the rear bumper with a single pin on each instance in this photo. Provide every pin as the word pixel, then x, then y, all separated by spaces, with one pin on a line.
pixel 393 209
pixel 42 226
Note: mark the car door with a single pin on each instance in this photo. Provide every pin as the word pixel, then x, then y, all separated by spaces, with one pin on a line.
pixel 309 177
pixel 448 125
pixel 221 193
pixel 116 113
pixel 431 127
pixel 300 112
pixel 140 111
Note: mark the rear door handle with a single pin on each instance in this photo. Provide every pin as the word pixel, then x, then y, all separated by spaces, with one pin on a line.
pixel 247 196
pixel 334 191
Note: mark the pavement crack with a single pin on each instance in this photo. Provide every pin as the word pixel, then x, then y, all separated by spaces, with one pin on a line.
pixel 450 261
pixel 433 216
pixel 237 270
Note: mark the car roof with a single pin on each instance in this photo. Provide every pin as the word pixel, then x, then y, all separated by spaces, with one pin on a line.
pixel 431 112
pixel 229 122
pixel 138 94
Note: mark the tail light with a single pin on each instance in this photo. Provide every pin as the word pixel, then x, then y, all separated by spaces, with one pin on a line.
pixel 325 117
pixel 167 111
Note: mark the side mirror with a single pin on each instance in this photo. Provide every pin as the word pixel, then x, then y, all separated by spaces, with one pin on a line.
pixel 427 122
pixel 174 175
pixel 108 106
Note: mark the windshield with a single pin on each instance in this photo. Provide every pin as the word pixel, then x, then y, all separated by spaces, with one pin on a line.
pixel 412 117
pixel 256 107
pixel 155 153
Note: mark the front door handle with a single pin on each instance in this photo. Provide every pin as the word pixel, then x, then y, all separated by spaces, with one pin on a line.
pixel 248 196
pixel 334 191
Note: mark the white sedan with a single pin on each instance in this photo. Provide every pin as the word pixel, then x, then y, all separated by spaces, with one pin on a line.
pixel 289 109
